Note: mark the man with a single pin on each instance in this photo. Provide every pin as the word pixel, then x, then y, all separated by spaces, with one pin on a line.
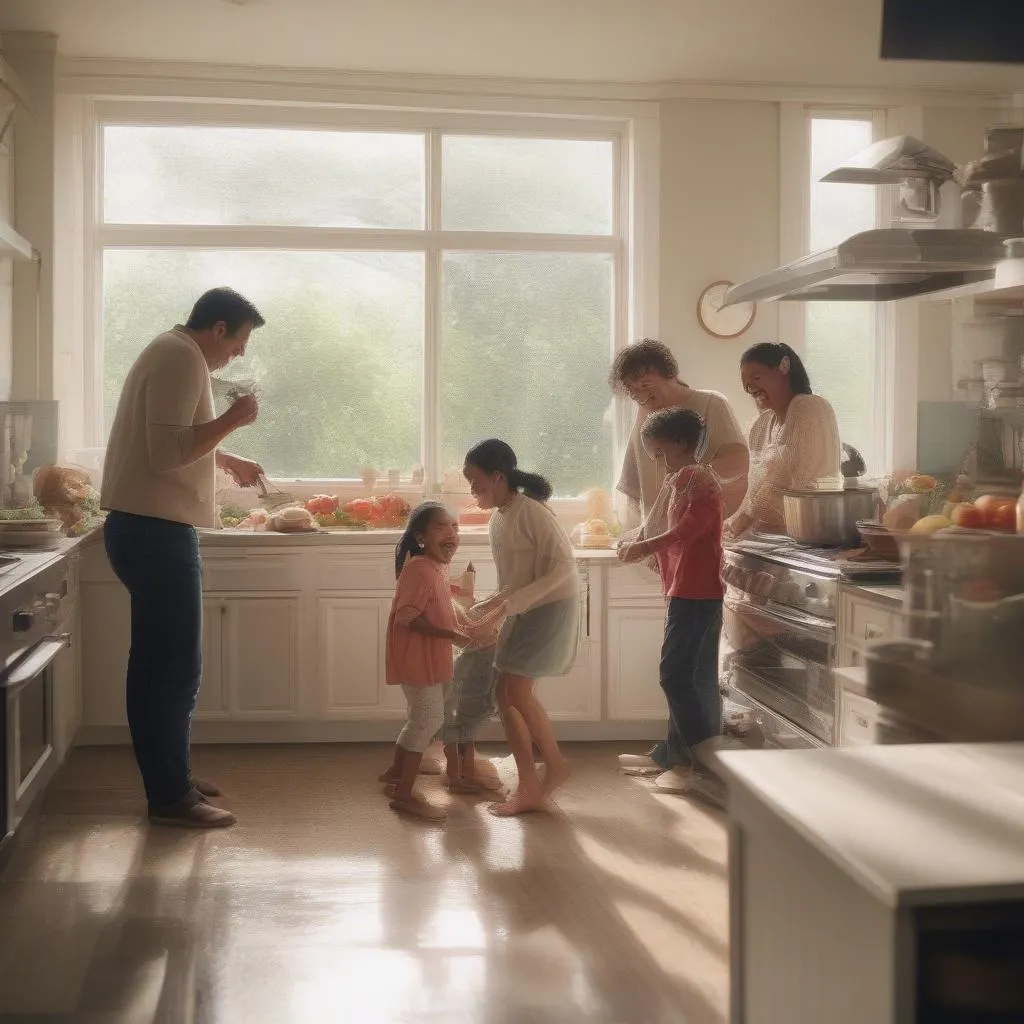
pixel 158 486
pixel 648 373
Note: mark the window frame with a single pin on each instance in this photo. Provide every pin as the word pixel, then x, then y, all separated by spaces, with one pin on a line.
pixel 794 243
pixel 631 244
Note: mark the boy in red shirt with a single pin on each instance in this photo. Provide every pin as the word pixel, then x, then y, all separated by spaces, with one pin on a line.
pixel 689 556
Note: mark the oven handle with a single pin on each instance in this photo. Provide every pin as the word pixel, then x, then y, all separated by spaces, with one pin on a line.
pixel 38 661
pixel 820 627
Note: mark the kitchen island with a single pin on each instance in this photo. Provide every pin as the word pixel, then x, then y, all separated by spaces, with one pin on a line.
pixel 881 884
pixel 293 642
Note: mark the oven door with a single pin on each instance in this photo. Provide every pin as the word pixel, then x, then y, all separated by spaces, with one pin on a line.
pixel 783 658
pixel 30 757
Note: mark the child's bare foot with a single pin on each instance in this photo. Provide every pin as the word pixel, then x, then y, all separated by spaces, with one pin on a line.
pixel 555 775
pixel 433 762
pixel 486 774
pixel 523 801
pixel 391 790
pixel 487 783
pixel 463 785
pixel 418 808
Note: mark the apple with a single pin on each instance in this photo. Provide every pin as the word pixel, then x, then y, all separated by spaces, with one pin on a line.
pixel 968 517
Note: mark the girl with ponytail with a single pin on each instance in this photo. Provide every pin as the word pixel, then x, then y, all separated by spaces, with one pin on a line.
pixel 794 443
pixel 422 628
pixel 538 590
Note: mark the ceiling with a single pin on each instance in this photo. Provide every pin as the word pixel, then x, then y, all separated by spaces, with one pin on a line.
pixel 798 42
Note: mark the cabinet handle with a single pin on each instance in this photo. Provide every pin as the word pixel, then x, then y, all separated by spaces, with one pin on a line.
pixel 860 720
pixel 873 632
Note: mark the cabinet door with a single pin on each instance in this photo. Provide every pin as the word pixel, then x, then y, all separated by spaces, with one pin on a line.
pixel 864 621
pixel 858 720
pixel 212 701
pixel 576 697
pixel 259 655
pixel 105 639
pixel 635 637
pixel 350 661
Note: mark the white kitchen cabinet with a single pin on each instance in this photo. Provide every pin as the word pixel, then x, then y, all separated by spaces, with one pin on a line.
pixel 105 640
pixel 635 636
pixel 864 618
pixel 212 702
pixel 858 719
pixel 350 660
pixel 260 656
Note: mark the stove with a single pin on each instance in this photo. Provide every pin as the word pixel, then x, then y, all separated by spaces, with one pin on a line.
pixel 780 629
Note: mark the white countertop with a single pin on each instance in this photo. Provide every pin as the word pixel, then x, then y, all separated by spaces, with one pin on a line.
pixel 468 538
pixel 890 592
pixel 915 825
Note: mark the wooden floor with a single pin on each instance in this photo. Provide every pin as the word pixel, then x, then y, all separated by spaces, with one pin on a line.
pixel 323 905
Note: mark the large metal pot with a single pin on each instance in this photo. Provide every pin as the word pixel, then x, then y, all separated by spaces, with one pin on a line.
pixel 828 518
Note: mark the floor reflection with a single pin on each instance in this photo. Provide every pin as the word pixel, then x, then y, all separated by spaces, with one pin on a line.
pixel 322 905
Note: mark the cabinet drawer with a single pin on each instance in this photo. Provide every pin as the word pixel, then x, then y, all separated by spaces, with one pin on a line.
pixel 263 570
pixel 633 581
pixel 858 722
pixel 357 572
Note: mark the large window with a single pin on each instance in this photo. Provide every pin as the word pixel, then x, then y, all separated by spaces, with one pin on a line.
pixel 842 340
pixel 424 288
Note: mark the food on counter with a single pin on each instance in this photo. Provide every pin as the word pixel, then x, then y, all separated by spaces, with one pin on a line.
pixel 596 534
pixel 231 515
pixel 903 512
pixel 28 512
pixel 921 483
pixel 67 494
pixel 967 517
pixel 322 505
pixel 473 515
pixel 339 519
pixel 255 519
pixel 930 524
pixel 291 520
pixel 999 511
pixel 389 511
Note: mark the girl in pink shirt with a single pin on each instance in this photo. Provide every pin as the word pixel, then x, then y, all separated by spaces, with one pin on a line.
pixel 422 628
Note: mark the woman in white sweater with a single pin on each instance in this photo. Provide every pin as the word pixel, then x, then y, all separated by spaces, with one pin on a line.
pixel 794 443
pixel 539 590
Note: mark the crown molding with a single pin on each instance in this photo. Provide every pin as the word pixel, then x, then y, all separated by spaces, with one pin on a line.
pixel 180 79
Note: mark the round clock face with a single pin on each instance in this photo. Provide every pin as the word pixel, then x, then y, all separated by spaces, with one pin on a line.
pixel 730 322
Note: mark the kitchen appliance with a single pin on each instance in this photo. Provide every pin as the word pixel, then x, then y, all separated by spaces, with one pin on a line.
pixel 781 633
pixel 35 627
pixel 828 518
pixel 28 440
pixel 880 265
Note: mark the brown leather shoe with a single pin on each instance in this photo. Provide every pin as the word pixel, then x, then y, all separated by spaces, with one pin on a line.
pixel 192 813
pixel 206 788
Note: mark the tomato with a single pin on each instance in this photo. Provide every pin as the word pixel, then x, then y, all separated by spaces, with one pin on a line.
pixel 968 517
pixel 1002 517
pixel 322 505
pixel 361 509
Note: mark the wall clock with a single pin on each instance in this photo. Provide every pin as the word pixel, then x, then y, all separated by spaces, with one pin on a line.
pixel 723 323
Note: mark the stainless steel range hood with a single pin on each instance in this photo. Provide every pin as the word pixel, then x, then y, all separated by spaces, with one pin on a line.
pixel 881 265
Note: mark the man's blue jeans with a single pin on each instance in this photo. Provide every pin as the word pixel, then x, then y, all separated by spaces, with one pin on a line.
pixel 158 561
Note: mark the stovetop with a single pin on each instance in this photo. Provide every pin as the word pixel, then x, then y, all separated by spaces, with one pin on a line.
pixel 844 563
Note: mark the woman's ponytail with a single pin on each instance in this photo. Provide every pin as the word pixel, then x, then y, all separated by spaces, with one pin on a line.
pixel 496 456
pixel 533 485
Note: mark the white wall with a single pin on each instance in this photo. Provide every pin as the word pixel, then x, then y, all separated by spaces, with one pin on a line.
pixel 719 221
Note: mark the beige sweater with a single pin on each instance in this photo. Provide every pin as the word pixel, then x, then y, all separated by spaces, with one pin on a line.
pixel 802 453
pixel 642 476
pixel 532 554
pixel 166 394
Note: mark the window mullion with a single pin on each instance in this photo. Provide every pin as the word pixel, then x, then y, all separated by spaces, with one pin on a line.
pixel 432 340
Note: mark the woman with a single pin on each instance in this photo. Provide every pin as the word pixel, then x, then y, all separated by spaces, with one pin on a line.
pixel 794 443
pixel 648 373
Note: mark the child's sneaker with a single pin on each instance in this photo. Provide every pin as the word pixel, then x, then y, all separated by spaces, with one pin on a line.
pixel 639 764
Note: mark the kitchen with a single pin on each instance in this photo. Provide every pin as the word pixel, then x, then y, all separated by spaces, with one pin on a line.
pixel 287 617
